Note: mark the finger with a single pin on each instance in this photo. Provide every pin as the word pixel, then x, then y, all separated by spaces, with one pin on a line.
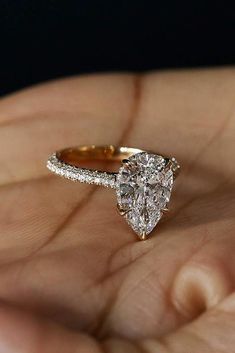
pixel 193 109
pixel 213 332
pixel 190 115
pixel 167 294
pixel 38 121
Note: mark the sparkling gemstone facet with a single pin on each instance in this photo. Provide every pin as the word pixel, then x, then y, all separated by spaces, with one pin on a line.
pixel 144 185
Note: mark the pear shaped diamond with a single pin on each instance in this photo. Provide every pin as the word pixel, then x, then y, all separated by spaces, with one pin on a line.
pixel 144 185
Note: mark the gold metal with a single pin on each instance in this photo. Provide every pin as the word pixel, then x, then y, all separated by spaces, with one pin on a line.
pixel 175 166
pixel 121 211
pixel 73 155
pixel 143 236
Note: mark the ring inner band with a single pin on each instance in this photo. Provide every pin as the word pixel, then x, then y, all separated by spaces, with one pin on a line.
pixel 111 153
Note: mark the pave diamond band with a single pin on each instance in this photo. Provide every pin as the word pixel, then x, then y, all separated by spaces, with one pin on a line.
pixel 82 175
pixel 143 183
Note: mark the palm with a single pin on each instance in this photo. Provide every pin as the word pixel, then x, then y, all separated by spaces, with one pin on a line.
pixel 65 252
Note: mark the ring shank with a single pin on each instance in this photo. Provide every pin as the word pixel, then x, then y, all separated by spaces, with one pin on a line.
pixel 66 163
pixel 73 155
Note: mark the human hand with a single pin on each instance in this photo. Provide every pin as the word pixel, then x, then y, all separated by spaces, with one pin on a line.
pixel 73 276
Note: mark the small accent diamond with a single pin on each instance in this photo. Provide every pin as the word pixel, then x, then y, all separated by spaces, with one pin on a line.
pixel 82 175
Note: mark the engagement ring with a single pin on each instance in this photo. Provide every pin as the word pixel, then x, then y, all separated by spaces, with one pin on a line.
pixel 143 183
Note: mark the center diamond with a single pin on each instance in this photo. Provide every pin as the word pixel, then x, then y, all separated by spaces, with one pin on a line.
pixel 144 185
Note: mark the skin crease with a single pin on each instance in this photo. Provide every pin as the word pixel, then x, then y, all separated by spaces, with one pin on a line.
pixel 73 276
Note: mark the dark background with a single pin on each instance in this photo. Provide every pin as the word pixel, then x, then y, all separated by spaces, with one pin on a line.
pixel 40 40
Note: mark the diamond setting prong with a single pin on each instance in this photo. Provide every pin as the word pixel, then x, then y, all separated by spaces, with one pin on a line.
pixel 126 162
pixel 143 236
pixel 175 167
pixel 122 211
pixel 165 210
